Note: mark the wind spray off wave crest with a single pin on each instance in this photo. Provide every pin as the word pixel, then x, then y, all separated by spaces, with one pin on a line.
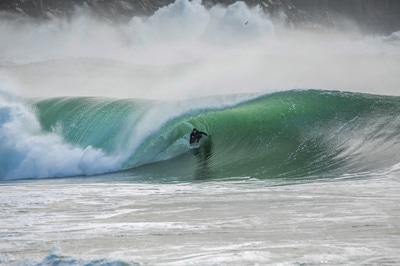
pixel 186 50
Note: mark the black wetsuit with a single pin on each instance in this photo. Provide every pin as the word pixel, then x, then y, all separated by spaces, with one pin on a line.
pixel 196 136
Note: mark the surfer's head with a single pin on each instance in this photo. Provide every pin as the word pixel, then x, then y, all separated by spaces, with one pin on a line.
pixel 194 130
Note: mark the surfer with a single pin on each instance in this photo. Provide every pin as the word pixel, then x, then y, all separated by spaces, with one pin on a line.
pixel 195 136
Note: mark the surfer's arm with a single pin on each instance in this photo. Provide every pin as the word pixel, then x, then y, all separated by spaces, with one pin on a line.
pixel 203 133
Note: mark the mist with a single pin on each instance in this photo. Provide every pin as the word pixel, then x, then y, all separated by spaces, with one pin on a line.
pixel 185 50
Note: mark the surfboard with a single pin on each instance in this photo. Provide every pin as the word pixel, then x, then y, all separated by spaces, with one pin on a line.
pixel 194 145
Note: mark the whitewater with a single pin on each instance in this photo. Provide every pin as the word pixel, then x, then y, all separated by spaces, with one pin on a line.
pixel 301 165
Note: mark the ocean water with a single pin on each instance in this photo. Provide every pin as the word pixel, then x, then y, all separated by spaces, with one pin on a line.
pixel 301 165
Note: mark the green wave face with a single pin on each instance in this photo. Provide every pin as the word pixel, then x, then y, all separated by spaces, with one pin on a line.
pixel 305 133
pixel 292 134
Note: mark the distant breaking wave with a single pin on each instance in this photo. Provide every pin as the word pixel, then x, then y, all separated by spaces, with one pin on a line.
pixel 290 134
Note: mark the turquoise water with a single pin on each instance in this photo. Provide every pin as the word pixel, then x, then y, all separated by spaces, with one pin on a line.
pixel 291 134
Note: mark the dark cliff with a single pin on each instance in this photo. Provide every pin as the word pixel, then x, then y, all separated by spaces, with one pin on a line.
pixel 370 15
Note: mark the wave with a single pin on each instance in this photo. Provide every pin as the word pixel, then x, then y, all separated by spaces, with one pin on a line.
pixel 290 134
